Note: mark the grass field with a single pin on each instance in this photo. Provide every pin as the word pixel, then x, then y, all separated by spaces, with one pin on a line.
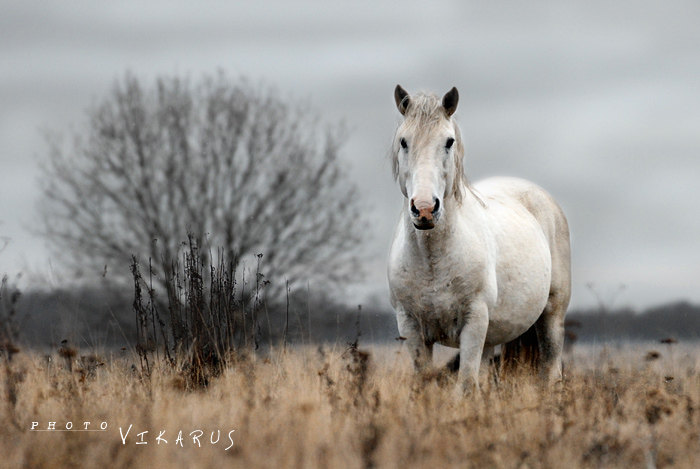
pixel 331 407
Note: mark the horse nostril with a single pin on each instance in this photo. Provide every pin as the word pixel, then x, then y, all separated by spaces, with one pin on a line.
pixel 436 207
pixel 414 210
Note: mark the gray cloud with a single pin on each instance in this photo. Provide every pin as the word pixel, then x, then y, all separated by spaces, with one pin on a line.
pixel 595 101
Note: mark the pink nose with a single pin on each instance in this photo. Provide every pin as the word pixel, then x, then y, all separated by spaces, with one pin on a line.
pixel 424 210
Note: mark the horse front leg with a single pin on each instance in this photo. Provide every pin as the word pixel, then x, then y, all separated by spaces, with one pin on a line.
pixel 421 353
pixel 419 347
pixel 487 357
pixel 471 348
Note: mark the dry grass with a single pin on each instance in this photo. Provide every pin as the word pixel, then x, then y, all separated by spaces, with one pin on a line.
pixel 340 408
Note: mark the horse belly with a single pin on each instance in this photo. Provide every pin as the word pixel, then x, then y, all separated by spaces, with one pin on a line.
pixel 512 321
pixel 523 277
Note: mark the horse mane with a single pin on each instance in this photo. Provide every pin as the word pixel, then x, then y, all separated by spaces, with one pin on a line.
pixel 424 113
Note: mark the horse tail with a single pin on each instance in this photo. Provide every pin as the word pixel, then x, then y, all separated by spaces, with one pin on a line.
pixel 522 352
pixel 452 366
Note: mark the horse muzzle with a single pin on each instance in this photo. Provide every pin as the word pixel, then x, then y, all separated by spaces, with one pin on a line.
pixel 425 214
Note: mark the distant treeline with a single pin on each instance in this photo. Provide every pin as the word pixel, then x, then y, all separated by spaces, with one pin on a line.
pixel 87 317
pixel 103 317
pixel 680 321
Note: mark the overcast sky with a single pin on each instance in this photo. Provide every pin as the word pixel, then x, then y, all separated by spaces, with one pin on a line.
pixel 597 101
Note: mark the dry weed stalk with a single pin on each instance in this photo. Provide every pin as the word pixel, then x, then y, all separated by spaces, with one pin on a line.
pixel 9 335
pixel 212 320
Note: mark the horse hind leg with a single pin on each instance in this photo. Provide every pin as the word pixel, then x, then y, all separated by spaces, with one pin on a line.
pixel 550 325
pixel 550 337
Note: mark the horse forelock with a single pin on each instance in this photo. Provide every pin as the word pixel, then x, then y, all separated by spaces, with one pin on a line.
pixel 423 115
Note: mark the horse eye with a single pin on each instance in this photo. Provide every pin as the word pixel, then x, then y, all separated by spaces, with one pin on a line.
pixel 449 143
pixel 404 145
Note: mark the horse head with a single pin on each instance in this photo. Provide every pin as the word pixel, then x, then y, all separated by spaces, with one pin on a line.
pixel 427 154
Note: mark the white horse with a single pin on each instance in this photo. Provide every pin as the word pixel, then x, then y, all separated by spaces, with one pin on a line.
pixel 472 266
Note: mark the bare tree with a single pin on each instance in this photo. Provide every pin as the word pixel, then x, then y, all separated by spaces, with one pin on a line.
pixel 236 165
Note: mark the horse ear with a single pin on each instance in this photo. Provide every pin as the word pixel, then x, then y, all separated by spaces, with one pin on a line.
pixel 450 100
pixel 402 99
